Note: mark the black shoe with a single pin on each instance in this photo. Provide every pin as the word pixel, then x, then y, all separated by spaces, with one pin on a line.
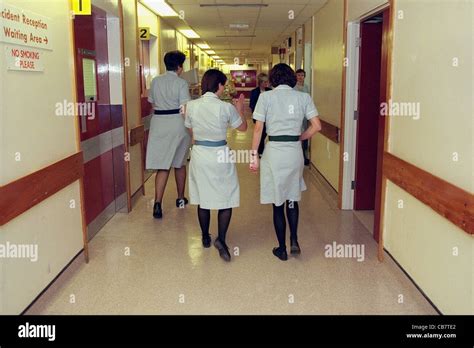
pixel 295 247
pixel 306 162
pixel 280 253
pixel 223 249
pixel 206 241
pixel 181 202
pixel 157 212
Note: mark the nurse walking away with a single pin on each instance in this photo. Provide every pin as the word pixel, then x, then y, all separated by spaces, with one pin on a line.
pixel 168 141
pixel 281 168
pixel 213 182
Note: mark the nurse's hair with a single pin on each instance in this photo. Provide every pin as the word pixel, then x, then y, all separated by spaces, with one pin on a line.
pixel 174 60
pixel 211 79
pixel 282 74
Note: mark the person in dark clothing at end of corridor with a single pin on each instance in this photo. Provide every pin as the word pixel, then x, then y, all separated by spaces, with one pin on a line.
pixel 263 86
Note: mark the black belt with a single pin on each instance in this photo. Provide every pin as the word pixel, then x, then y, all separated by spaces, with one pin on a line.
pixel 167 112
pixel 284 137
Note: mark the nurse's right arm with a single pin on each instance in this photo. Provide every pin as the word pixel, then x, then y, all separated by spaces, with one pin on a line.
pixel 239 105
pixel 187 121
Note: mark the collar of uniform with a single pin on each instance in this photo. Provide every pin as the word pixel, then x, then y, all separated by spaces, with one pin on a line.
pixel 283 87
pixel 210 94
pixel 172 72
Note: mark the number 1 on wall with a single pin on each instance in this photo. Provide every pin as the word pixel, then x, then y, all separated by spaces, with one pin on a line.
pixel 81 7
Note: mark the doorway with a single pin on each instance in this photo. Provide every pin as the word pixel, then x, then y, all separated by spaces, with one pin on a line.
pixel 364 128
pixel 99 87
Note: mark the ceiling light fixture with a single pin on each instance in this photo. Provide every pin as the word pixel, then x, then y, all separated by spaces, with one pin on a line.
pixel 238 26
pixel 204 46
pixel 210 52
pixel 236 36
pixel 189 33
pixel 233 5
pixel 160 7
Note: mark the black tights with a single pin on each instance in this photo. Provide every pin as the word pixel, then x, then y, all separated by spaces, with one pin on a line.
pixel 223 220
pixel 292 214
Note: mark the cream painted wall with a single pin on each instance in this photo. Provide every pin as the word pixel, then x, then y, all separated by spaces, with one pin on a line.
pixel 132 88
pixel 146 18
pixel 422 242
pixel 420 239
pixel 445 93
pixel 357 8
pixel 42 138
pixel 325 157
pixel 327 84
pixel 167 39
pixel 327 60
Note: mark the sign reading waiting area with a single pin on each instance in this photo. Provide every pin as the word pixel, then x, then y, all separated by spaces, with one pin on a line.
pixel 21 27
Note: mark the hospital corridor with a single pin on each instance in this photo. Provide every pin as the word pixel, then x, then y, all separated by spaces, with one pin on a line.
pixel 293 160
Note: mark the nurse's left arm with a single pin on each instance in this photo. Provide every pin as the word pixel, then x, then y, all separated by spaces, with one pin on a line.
pixel 187 120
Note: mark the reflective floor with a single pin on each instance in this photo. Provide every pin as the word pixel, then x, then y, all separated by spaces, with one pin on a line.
pixel 139 265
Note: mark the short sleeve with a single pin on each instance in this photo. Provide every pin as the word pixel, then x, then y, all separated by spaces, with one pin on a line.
pixel 184 96
pixel 187 116
pixel 261 108
pixel 234 118
pixel 310 108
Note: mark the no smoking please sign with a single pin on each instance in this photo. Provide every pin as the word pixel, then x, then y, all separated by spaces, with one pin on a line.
pixel 23 59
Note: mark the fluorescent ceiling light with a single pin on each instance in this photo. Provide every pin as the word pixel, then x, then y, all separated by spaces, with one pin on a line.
pixel 204 46
pixel 210 52
pixel 160 7
pixel 190 34
pixel 233 5
pixel 216 57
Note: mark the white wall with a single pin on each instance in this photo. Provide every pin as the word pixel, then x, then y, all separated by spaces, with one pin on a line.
pixel 29 126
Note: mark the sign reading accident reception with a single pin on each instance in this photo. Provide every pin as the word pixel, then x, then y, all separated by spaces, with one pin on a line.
pixel 25 28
